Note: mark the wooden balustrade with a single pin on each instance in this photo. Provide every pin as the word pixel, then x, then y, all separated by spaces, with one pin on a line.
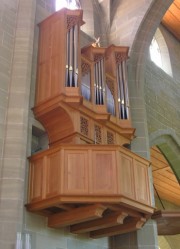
pixel 100 189
pixel 86 174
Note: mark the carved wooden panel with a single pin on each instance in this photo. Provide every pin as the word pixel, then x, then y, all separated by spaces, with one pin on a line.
pixel 53 168
pixel 98 134
pixel 110 138
pixel 141 182
pixel 75 172
pixel 104 173
pixel 126 176
pixel 36 184
pixel 84 126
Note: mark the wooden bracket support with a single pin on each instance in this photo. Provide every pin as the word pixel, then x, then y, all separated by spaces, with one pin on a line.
pixel 105 222
pixel 76 215
pixel 132 225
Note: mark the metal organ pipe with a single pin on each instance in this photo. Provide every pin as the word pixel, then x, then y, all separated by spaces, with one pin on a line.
pixel 76 55
pixel 120 95
pixel 72 57
pixel 99 81
pixel 67 59
pixel 96 85
pixel 122 90
pixel 126 97
pixel 101 62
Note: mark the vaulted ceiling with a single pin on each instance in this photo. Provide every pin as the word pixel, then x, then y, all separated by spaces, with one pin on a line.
pixel 171 19
pixel 165 182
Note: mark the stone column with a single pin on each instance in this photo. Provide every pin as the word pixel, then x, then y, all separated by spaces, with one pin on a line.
pixel 16 122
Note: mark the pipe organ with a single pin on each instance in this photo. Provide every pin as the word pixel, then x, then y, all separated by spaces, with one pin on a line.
pixel 87 179
pixel 72 56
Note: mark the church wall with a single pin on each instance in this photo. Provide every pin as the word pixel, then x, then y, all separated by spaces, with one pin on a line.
pixel 162 97
pixel 8 15
pixel 126 16
pixel 16 54
pixel 162 92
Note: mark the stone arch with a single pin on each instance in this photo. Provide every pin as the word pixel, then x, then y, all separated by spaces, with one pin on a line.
pixel 140 47
pixel 136 73
pixel 169 145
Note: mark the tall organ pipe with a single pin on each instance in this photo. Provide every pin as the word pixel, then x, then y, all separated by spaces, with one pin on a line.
pixel 123 99
pixel 102 80
pixel 126 88
pixel 71 57
pixel 67 60
pixel 120 91
pixel 96 83
pixel 99 81
pixel 76 55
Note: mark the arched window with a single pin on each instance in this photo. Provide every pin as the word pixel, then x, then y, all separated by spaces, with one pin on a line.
pixel 70 4
pixel 159 52
pixel 155 53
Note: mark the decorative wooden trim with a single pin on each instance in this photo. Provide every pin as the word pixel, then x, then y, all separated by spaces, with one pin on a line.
pixel 120 57
pixel 110 137
pixel 98 57
pixel 85 68
pixel 72 21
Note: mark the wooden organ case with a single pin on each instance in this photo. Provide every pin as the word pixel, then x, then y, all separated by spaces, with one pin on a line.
pixel 87 179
